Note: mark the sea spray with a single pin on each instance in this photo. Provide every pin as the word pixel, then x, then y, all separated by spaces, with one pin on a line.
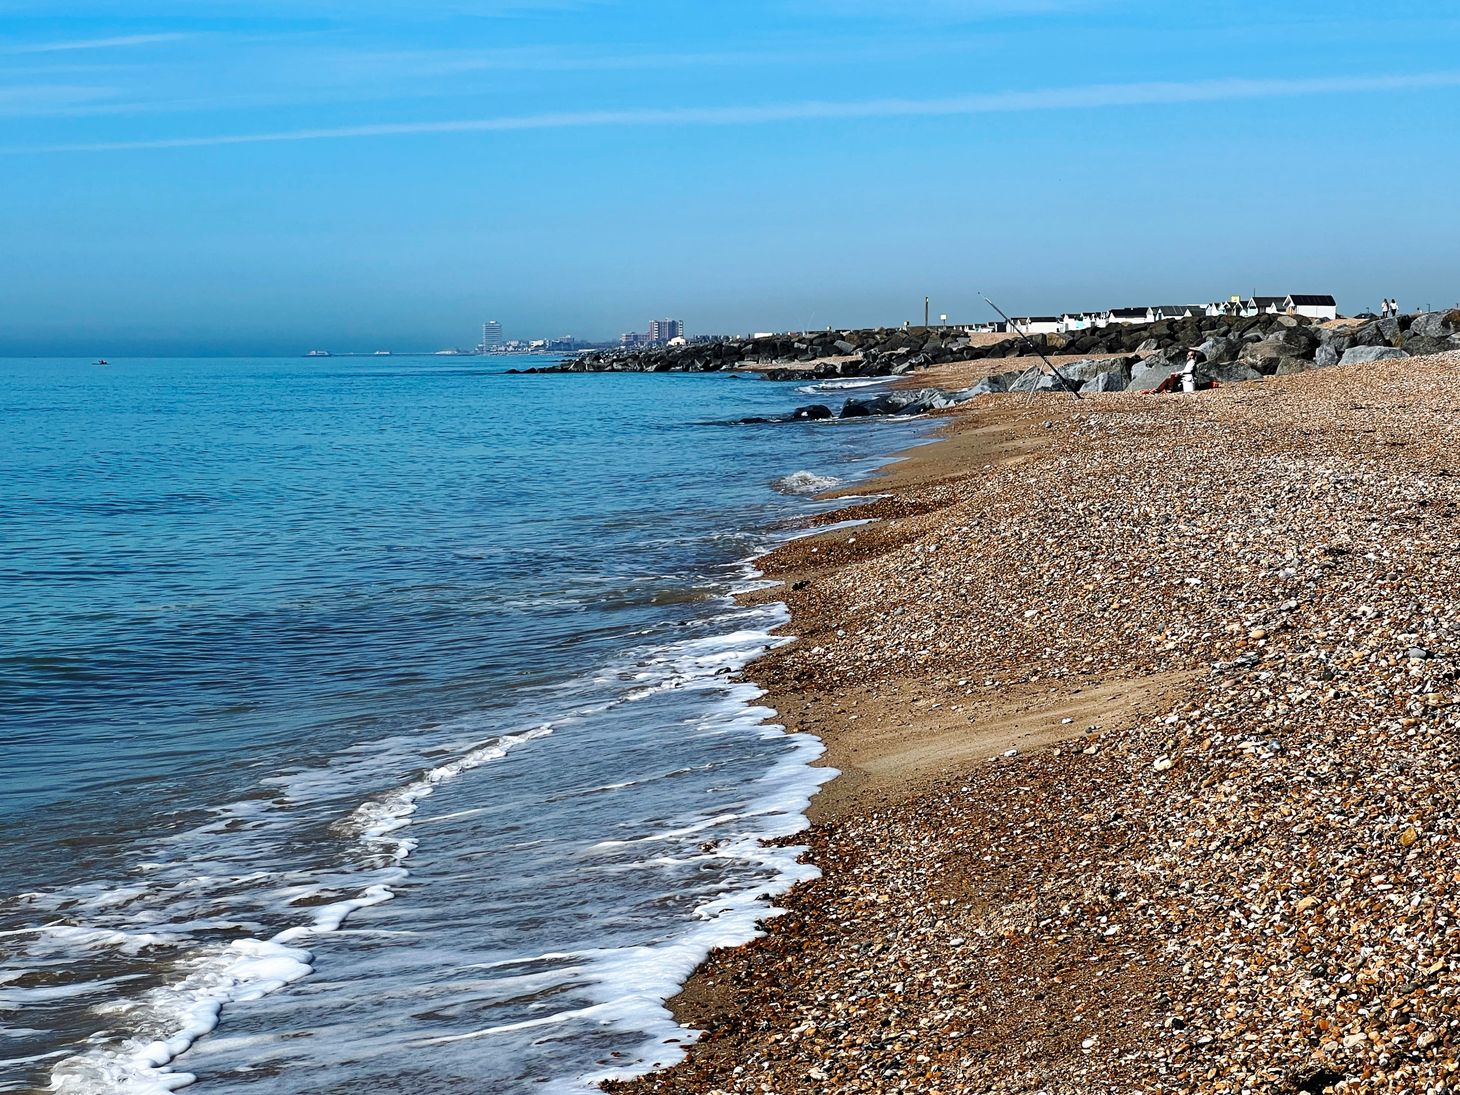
pixel 805 482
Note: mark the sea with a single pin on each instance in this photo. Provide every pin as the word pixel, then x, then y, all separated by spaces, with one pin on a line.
pixel 377 723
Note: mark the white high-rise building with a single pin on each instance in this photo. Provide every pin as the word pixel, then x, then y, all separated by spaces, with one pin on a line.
pixel 662 330
pixel 491 336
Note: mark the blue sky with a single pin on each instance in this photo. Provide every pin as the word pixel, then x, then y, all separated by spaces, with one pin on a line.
pixel 220 176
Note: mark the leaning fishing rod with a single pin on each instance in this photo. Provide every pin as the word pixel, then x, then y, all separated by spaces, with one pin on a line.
pixel 1040 353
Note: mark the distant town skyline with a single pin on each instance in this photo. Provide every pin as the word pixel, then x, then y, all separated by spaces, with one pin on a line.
pixel 199 176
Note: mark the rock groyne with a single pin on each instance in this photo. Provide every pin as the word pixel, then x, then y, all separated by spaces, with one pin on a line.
pixel 1234 348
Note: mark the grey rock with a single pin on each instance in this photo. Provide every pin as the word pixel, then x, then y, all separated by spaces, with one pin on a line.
pixel 1418 345
pixel 1112 380
pixel 1326 355
pixel 1435 324
pixel 989 385
pixel 1218 349
pixel 1038 382
pixel 1363 355
pixel 815 412
pixel 1230 372
pixel 1147 378
pixel 1384 333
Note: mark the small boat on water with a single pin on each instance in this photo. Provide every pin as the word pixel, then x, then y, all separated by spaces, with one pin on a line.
pixel 101 361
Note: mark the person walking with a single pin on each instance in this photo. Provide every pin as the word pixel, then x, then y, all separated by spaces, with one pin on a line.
pixel 1384 309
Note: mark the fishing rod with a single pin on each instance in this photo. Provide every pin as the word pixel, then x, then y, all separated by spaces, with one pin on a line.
pixel 1030 343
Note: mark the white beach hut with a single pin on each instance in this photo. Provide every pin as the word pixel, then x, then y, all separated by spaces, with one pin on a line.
pixel 1038 325
pixel 1314 306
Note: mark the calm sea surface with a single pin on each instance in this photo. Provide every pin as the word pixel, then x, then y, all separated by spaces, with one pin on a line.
pixel 369 725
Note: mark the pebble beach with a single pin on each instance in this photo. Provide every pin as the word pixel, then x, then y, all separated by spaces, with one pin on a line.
pixel 1146 714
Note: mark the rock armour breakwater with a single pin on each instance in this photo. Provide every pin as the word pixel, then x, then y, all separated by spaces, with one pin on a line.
pixel 1235 348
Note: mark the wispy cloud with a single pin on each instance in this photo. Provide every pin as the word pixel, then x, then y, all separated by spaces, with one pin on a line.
pixel 126 41
pixel 952 11
pixel 448 62
pixel 1086 97
pixel 33 99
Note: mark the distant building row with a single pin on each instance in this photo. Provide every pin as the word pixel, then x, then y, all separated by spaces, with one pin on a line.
pixel 1314 306
pixel 660 333
pixel 494 343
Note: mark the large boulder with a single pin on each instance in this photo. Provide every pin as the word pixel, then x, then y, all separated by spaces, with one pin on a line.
pixel 1078 372
pixel 1037 379
pixel 1281 344
pixel 901 402
pixel 1417 345
pixel 1363 355
pixel 1434 325
pixel 1327 354
pixel 1386 332
pixel 1220 349
pixel 1229 372
pixel 1112 380
pixel 989 385
pixel 1147 377
pixel 813 413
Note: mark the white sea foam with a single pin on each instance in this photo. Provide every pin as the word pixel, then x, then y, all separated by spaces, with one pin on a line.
pixel 624 989
pixel 374 821
pixel 627 988
pixel 805 482
pixel 167 1021
pixel 844 384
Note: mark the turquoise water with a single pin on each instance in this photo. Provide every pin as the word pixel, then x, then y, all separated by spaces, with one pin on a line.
pixel 375 722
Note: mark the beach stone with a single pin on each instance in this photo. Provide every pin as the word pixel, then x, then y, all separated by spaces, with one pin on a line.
pixel 1326 355
pixel 1363 355
pixel 1287 366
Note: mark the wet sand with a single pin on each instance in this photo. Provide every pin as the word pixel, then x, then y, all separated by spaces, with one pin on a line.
pixel 1145 712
